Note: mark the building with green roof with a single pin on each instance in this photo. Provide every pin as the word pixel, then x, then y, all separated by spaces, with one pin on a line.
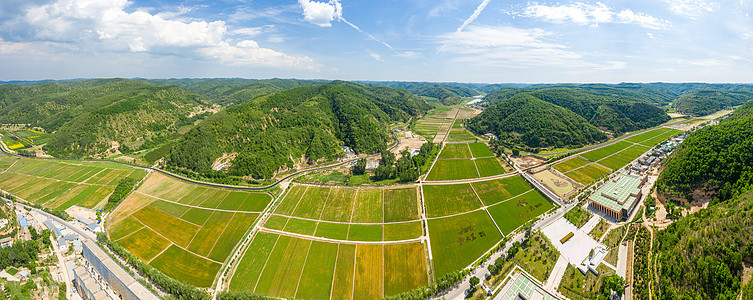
pixel 618 197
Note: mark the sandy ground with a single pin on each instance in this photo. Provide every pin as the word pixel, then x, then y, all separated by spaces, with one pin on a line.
pixel 675 115
pixel 409 143
pixel 527 161
pixel 747 272
pixel 75 211
pixel 560 185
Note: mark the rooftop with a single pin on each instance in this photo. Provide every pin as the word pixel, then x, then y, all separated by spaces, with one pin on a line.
pixel 619 194
pixel 121 274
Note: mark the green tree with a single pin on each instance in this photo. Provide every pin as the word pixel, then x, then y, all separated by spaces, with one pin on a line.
pixel 360 167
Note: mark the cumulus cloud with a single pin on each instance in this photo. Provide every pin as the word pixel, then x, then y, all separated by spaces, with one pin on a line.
pixel 321 13
pixel 105 25
pixel 691 8
pixel 480 8
pixel 584 14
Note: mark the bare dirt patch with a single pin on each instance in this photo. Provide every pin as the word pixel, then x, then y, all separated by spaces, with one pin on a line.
pixel 76 211
pixel 527 161
pixel 224 160
pixel 556 182
pixel 409 144
pixel 747 271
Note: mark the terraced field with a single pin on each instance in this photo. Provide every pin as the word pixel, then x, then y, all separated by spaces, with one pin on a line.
pixel 185 230
pixel 61 184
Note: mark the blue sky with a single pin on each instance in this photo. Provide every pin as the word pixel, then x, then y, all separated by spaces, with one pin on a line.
pixel 422 40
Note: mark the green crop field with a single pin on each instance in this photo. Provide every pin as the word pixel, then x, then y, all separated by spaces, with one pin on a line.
pixel 400 204
pixel 515 212
pixel 289 267
pixel 60 184
pixel 622 158
pixel 660 138
pixel 402 231
pixel 339 206
pixel 444 200
pixel 333 231
pixel 365 233
pixel 452 170
pixel 588 174
pixel 649 135
pixel 494 191
pixel 173 190
pixel 480 150
pixel 204 236
pixel 369 207
pixel 459 240
pixel 603 152
pixel 571 164
pixel 455 151
pixel 185 266
pixel 489 166
pixel 460 135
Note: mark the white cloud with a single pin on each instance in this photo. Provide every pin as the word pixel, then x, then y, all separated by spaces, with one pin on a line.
pixel 104 25
pixel 252 31
pixel 480 8
pixel 691 8
pixel 583 14
pixel 408 54
pixel 708 62
pixel 321 13
pixel 505 45
pixel 374 55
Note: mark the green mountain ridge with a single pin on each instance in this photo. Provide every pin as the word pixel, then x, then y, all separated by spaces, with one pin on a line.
pixel 86 116
pixel 314 122
pixel 528 120
pixel 706 102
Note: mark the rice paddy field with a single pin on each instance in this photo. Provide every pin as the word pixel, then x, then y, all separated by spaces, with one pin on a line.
pixel 59 184
pixel 459 240
pixel 465 161
pixel 185 230
pixel 588 174
pixel 429 127
pixel 653 137
pixel 460 135
pixel 292 267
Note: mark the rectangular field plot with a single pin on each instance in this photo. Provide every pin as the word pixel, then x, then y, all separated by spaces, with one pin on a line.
pixel 312 203
pixel 588 174
pixel 339 205
pixel 451 151
pixel 648 135
pixel 185 266
pixel 365 233
pixel 515 212
pixel 333 231
pixel 400 204
pixel 459 240
pixel 289 267
pixel 445 200
pixel 660 138
pixel 173 190
pixel 402 231
pixel 494 191
pixel 58 184
pixel 405 268
pixel 460 135
pixel 453 170
pixel 145 244
pixel 489 166
pixel 622 158
pixel 369 207
pixel 480 150
pixel 571 164
pixel 603 152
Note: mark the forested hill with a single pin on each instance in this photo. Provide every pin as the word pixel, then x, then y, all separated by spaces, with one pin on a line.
pixel 87 116
pixel 527 120
pixel 447 94
pixel 307 123
pixel 706 102
pixel 701 255
pixel 717 157
pixel 230 91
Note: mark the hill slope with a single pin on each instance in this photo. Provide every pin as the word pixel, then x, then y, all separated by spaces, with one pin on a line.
pixel 447 94
pixel 601 107
pixel 87 116
pixel 706 102
pixel 525 119
pixel 230 91
pixel 303 124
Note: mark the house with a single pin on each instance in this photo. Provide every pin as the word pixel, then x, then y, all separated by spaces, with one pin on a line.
pixel 6 242
pixel 23 222
pixel 23 275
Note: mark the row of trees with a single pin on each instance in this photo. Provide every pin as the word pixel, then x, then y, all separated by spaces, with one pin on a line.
pixel 406 169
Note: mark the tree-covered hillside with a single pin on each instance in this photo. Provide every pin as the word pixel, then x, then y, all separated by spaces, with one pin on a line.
pixel 707 102
pixel 232 91
pixel 447 94
pixel 618 113
pixel 527 120
pixel 86 116
pixel 313 122
pixel 701 255
pixel 717 157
